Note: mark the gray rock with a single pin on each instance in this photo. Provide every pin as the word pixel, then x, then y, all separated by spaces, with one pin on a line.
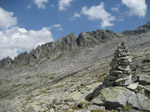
pixel 111 78
pixel 51 110
pixel 124 81
pixel 112 97
pixel 115 97
pixel 95 107
pixel 30 109
pixel 144 102
pixel 144 79
pixel 82 110
pixel 133 86
pixel 2 110
pixel 122 76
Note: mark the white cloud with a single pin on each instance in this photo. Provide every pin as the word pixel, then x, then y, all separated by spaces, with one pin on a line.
pixel 99 13
pixel 8 52
pixel 137 7
pixel 6 19
pixel 19 39
pixel 40 3
pixel 76 15
pixel 29 6
pixel 115 9
pixel 63 4
pixel 57 26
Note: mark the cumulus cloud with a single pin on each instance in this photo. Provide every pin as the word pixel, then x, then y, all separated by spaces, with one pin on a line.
pixel 99 13
pixel 137 7
pixel 115 9
pixel 63 4
pixel 76 15
pixel 6 19
pixel 40 3
pixel 19 39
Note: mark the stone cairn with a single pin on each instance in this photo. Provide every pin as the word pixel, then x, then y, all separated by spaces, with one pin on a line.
pixel 120 72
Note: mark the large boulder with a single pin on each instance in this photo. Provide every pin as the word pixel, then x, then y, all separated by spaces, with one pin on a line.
pixel 114 97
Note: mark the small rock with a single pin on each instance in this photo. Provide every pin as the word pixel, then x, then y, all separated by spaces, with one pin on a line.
pixel 95 107
pixel 133 86
pixel 82 111
pixel 52 110
pixel 124 81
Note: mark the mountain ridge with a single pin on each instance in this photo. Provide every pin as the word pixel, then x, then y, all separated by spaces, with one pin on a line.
pixel 53 50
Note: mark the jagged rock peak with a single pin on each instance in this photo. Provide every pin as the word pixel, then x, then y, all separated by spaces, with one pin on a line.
pixel 66 43
pixel 142 29
pixel 90 39
pixel 5 62
pixel 68 39
pixel 147 26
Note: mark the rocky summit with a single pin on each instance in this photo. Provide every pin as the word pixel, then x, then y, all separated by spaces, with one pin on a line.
pixel 98 71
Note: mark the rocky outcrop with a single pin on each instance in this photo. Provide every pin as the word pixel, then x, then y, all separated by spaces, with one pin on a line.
pixel 6 62
pixel 97 37
pixel 120 74
pixel 142 29
pixel 22 59
pixel 114 97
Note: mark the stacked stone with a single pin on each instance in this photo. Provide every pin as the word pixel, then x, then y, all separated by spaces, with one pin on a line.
pixel 120 73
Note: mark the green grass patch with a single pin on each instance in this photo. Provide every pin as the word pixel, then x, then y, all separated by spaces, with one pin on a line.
pixel 58 57
pixel 28 99
pixel 147 94
pixel 127 107
pixel 101 78
pixel 75 51
pixel 80 105
pixel 43 91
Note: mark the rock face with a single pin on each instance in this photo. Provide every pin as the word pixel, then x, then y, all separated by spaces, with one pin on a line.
pixel 97 37
pixel 120 74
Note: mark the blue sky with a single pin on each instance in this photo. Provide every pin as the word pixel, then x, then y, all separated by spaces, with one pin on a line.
pixel 25 24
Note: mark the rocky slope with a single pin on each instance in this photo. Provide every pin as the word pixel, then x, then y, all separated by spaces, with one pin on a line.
pixel 57 76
